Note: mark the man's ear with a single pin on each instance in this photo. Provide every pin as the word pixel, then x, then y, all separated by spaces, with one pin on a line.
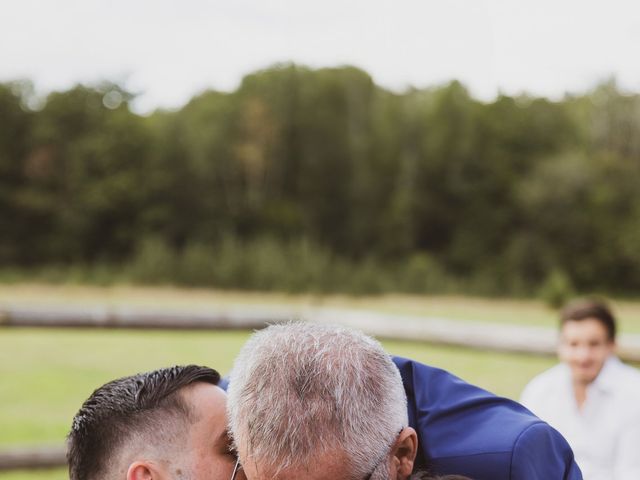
pixel 404 452
pixel 143 470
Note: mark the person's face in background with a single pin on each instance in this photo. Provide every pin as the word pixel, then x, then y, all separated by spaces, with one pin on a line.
pixel 584 346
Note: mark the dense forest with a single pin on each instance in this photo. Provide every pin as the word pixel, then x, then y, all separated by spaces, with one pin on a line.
pixel 320 180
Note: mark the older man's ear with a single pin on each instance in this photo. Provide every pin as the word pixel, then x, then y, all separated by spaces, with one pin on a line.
pixel 403 454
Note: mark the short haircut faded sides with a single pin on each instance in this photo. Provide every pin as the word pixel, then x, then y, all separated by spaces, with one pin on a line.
pixel 299 390
pixel 144 409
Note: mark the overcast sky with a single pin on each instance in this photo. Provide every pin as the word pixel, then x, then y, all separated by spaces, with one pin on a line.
pixel 169 50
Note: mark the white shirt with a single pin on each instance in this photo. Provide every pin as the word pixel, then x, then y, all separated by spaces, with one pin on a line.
pixel 605 435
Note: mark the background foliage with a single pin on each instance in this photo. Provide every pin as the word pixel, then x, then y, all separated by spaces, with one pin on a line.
pixel 319 180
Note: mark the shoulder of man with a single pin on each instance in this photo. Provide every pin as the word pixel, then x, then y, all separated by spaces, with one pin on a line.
pixel 624 381
pixel 550 381
pixel 465 429
pixel 541 452
pixel 626 372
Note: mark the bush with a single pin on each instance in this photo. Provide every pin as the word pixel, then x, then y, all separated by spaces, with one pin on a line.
pixel 197 266
pixel 368 278
pixel 556 289
pixel 310 267
pixel 154 262
pixel 422 274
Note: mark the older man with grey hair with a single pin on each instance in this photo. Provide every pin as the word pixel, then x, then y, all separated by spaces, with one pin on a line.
pixel 317 402
pixel 327 403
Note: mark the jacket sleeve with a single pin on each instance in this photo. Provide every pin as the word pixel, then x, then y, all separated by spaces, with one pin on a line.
pixel 541 453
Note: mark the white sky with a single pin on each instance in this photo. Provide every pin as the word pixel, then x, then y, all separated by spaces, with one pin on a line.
pixel 169 50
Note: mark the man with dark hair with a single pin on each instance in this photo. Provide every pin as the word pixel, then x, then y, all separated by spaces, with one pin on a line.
pixel 591 397
pixel 160 425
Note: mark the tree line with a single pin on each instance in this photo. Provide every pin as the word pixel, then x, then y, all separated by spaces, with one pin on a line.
pixel 318 179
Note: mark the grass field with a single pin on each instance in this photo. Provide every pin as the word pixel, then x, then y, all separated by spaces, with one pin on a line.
pixel 46 373
pixel 54 474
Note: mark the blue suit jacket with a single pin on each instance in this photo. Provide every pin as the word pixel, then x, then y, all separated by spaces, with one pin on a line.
pixel 466 430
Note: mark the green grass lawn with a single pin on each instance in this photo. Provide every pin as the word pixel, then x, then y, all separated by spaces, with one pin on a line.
pixel 47 373
pixel 54 474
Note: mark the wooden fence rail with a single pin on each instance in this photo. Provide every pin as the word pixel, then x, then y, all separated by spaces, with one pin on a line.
pixel 480 335
pixel 32 458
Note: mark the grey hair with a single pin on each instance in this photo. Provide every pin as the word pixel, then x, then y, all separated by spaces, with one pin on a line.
pixel 299 390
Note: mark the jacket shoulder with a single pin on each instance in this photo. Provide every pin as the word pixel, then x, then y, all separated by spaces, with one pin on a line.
pixel 466 429
pixel 540 452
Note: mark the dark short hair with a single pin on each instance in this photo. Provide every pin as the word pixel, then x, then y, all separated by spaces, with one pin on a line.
pixel 589 308
pixel 123 407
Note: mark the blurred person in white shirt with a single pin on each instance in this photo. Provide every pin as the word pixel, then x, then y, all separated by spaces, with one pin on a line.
pixel 591 397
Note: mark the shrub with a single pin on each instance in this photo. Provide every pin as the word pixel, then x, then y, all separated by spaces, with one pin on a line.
pixel 556 289
pixel 154 262
pixel 197 265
